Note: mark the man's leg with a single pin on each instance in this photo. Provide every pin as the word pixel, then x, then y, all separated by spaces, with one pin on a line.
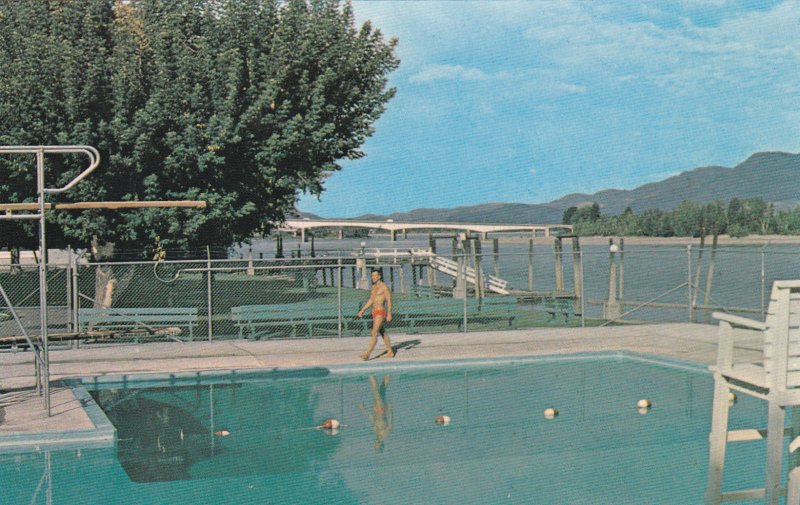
pixel 376 322
pixel 386 342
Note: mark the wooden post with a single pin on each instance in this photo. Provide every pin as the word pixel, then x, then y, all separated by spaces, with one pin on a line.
pixel 611 307
pixel 710 275
pixel 696 285
pixel 476 255
pixel 431 271
pixel 530 264
pixel 577 271
pixel 621 269
pixel 279 246
pixel 559 267
pixel 496 256
pixel 250 270
pixel 460 289
pixel 402 274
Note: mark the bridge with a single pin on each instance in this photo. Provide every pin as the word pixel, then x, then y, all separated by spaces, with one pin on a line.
pixel 395 227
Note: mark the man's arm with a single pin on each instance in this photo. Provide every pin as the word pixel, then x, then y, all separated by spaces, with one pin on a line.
pixel 388 294
pixel 369 302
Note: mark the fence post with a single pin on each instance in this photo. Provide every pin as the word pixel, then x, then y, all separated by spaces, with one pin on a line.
pixel 763 280
pixel 339 292
pixel 689 279
pixel 74 293
pixel 583 293
pixel 208 294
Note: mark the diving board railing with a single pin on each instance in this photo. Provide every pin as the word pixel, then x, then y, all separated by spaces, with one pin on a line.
pixel 41 351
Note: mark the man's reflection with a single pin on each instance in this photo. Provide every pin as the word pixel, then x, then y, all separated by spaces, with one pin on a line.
pixel 381 414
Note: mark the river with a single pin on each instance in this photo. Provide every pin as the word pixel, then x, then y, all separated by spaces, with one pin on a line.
pixel 742 274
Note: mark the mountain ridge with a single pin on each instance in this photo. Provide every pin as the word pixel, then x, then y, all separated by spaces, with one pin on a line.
pixel 770 175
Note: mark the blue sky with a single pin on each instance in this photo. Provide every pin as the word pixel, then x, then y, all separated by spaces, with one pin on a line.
pixel 526 101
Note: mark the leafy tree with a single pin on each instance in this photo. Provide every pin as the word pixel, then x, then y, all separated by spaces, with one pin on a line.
pixel 737 220
pixel 714 220
pixel 687 219
pixel 655 223
pixel 788 222
pixel 241 103
pixel 569 215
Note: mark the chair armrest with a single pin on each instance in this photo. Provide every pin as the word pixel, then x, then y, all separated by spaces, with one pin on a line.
pixel 740 321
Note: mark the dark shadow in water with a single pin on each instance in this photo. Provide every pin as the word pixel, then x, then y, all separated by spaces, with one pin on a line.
pixel 156 441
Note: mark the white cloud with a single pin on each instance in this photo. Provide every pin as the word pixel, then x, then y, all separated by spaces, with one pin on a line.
pixel 454 73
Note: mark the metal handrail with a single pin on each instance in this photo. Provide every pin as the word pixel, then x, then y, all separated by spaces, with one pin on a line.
pixel 91 152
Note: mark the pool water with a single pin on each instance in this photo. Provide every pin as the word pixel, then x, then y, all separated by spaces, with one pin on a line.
pixel 252 440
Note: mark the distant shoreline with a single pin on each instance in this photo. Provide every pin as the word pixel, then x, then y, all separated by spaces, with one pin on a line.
pixel 726 240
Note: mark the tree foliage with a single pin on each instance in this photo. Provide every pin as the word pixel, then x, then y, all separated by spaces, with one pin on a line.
pixel 740 217
pixel 241 103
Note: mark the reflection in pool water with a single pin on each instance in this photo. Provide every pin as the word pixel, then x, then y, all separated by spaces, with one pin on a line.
pixel 499 448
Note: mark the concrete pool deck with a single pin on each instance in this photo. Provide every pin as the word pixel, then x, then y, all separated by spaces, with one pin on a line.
pixel 23 417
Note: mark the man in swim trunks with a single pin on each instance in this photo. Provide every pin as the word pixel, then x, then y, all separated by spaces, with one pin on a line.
pixel 379 294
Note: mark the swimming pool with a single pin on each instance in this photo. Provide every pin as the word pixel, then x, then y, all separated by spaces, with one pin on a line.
pixel 250 437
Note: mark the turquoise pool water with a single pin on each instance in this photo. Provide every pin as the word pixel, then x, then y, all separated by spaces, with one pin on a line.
pixel 497 448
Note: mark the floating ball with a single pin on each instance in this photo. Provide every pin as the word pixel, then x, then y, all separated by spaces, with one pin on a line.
pixel 732 397
pixel 443 420
pixel 222 433
pixel 644 403
pixel 331 424
pixel 550 413
pixel 643 410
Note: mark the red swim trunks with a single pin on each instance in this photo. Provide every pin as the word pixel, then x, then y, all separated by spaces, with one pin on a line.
pixel 379 312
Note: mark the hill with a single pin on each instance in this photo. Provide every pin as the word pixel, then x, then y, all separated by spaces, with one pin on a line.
pixel 772 176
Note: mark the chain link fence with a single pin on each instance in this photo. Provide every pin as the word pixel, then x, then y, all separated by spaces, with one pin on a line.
pixel 319 297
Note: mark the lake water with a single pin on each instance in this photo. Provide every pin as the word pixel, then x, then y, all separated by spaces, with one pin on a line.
pixel 742 275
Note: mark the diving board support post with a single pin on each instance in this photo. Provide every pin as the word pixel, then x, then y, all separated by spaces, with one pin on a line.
pixel 43 365
pixel 38 211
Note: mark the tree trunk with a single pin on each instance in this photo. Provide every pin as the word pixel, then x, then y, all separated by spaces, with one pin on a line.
pixel 108 282
pixel 105 281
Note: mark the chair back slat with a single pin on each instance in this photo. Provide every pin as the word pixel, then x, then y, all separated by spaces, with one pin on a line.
pixel 782 336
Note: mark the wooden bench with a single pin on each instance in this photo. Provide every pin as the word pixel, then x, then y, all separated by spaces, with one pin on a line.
pixel 422 291
pixel 443 310
pixel 563 306
pixel 258 321
pixel 139 320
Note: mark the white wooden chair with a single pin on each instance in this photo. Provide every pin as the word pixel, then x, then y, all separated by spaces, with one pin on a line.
pixel 775 379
